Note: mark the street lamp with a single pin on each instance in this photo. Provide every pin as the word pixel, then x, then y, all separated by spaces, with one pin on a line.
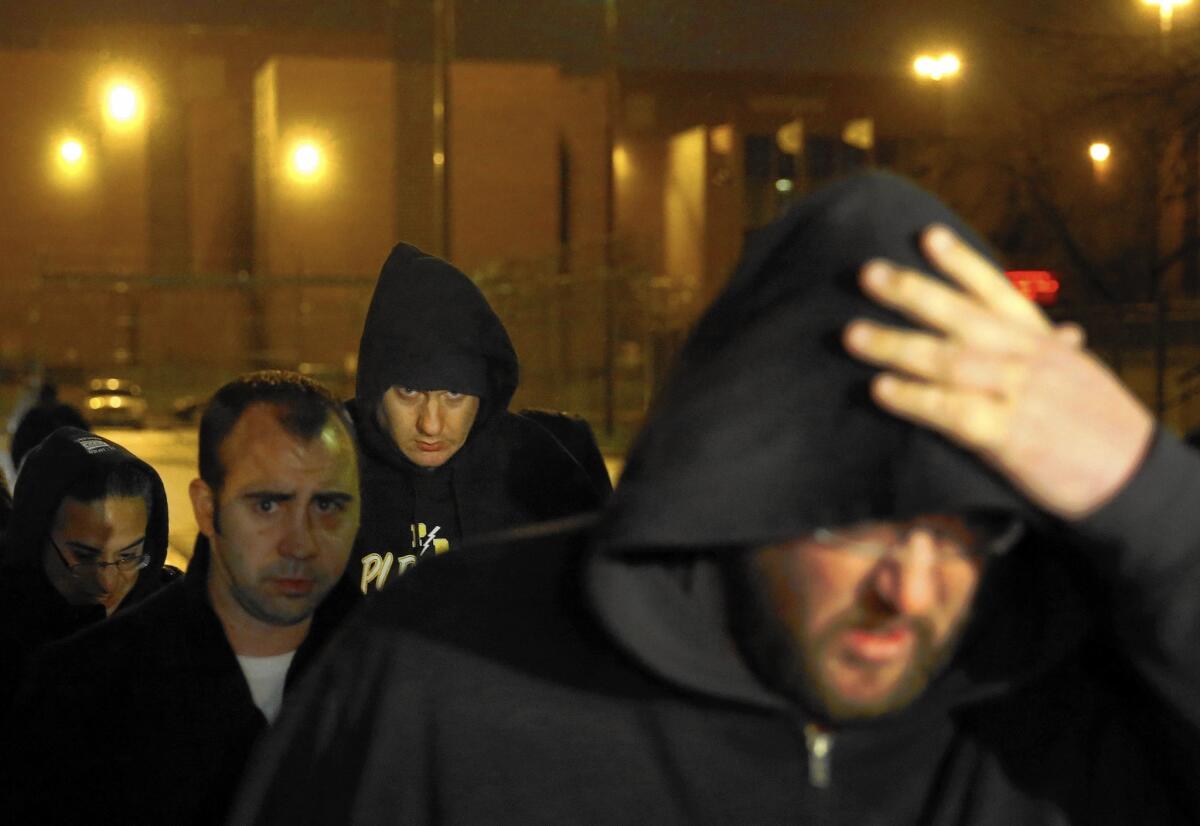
pixel 1166 12
pixel 70 152
pixel 1100 153
pixel 937 67
pixel 307 162
pixel 122 103
pixel 68 160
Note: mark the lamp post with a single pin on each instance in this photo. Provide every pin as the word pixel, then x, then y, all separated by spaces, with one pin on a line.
pixel 611 131
pixel 1166 19
pixel 1166 12
pixel 937 67
pixel 306 162
pixel 1100 153
pixel 939 70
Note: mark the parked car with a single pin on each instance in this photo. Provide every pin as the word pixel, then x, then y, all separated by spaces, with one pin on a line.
pixel 113 402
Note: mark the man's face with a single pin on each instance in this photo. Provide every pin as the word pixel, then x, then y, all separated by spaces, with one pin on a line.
pixel 428 426
pixel 863 632
pixel 106 530
pixel 286 518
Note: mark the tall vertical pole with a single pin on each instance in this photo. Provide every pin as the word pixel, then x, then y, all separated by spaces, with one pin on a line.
pixel 443 59
pixel 613 95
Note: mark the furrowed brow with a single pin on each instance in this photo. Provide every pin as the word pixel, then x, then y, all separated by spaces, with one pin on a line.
pixel 335 495
pixel 269 495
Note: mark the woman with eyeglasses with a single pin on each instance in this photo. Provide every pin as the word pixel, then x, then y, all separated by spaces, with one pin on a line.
pixel 87 537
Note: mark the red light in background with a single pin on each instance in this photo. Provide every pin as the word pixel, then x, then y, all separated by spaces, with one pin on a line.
pixel 1039 286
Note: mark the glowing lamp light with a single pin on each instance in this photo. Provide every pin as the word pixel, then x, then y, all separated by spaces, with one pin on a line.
pixel 1100 152
pixel 70 151
pixel 1039 286
pixel 621 161
pixel 306 160
pixel 784 185
pixel 122 103
pixel 1166 11
pixel 937 67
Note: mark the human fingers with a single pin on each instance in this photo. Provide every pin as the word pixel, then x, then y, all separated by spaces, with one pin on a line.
pixel 937 359
pixel 962 264
pixel 1071 334
pixel 978 421
pixel 943 308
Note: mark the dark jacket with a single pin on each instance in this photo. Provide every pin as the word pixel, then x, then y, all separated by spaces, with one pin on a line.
pixel 430 328
pixel 589 675
pixel 144 719
pixel 32 613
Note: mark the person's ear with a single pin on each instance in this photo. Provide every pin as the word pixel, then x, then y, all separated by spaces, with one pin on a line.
pixel 204 505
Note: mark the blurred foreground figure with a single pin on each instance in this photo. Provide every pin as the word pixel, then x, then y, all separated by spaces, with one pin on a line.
pixel 799 608
pixel 88 536
pixel 149 718
pixel 444 459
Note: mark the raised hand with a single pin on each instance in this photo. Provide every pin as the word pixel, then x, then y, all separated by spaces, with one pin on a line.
pixel 993 374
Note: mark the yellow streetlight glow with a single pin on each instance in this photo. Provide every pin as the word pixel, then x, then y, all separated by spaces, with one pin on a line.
pixel 1100 153
pixel 1166 11
pixel 71 152
pixel 620 160
pixel 937 67
pixel 122 103
pixel 306 160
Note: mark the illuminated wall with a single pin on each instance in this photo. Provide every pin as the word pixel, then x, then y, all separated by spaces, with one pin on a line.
pixel 702 206
pixel 685 207
pixel 325 166
pixel 75 200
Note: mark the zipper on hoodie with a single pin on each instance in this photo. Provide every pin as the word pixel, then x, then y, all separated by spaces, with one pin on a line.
pixel 820 744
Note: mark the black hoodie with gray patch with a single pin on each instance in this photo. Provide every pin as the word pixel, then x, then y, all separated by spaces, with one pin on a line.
pixel 32 612
pixel 590 675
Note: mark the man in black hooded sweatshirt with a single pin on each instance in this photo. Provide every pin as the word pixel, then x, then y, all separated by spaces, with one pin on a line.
pixel 444 458
pixel 798 608
pixel 87 537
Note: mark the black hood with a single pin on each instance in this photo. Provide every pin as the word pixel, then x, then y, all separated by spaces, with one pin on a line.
pixel 430 328
pixel 765 430
pixel 49 470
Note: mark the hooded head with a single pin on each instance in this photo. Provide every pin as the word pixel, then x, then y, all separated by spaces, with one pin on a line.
pixel 430 329
pixel 764 438
pixel 39 423
pixel 765 430
pixel 92 494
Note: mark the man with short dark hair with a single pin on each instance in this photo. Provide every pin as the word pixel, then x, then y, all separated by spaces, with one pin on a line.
pixel 444 460
pixel 158 710
pixel 88 537
pixel 799 608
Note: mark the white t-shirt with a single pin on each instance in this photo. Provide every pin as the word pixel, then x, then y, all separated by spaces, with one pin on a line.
pixel 266 676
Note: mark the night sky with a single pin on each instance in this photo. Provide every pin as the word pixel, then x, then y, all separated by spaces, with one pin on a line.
pixel 787 35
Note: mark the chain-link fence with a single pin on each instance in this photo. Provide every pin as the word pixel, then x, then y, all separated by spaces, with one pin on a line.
pixel 595 340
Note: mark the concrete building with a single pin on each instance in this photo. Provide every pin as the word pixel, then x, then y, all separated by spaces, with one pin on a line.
pixel 240 216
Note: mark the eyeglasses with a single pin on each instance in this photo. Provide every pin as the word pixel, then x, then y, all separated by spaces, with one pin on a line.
pixel 969 536
pixel 91 567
